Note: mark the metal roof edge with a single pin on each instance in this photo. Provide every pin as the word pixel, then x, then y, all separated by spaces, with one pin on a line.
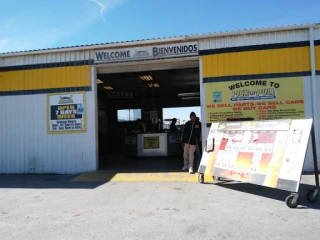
pixel 95 46
pixel 253 31
pixel 160 40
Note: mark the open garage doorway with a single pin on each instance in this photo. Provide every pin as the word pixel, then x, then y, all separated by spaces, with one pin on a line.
pixel 126 97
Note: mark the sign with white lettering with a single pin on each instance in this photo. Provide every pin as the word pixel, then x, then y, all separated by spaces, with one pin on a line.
pixel 66 112
pixel 161 51
pixel 120 95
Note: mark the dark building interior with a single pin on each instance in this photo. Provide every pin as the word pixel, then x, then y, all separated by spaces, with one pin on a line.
pixel 152 90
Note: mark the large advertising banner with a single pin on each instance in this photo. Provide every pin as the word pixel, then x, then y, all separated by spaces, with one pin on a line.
pixel 266 153
pixel 66 112
pixel 260 99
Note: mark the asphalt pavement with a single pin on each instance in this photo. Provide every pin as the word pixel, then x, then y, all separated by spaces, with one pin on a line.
pixel 55 207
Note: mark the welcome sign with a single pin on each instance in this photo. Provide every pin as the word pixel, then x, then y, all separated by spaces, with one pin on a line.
pixel 161 51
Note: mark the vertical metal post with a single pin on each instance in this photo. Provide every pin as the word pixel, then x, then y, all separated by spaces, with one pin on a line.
pixel 315 159
pixel 204 129
pixel 96 113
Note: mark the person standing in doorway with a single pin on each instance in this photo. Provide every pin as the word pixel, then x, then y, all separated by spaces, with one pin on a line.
pixel 173 127
pixel 190 137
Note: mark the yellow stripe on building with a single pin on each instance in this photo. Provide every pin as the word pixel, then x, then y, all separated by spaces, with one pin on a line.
pixel 284 60
pixel 317 57
pixel 46 78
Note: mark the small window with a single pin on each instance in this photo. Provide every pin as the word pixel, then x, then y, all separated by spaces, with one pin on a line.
pixel 129 115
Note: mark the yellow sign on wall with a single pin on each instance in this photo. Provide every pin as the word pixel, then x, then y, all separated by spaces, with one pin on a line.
pixel 151 142
pixel 280 98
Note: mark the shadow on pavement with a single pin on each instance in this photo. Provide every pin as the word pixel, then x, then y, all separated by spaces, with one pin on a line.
pixel 91 180
pixel 271 193
pixel 45 182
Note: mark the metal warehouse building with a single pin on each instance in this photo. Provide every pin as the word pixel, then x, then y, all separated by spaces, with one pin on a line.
pixel 60 107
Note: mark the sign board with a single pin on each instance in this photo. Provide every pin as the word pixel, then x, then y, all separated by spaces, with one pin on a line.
pixel 271 156
pixel 147 52
pixel 120 95
pixel 66 112
pixel 260 99
pixel 151 142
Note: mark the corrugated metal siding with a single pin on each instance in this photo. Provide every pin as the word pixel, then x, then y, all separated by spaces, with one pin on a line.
pixel 317 34
pixel 284 60
pixel 45 78
pixel 254 39
pixel 46 58
pixel 308 164
pixel 316 118
pixel 26 147
pixel 317 57
pixel 230 64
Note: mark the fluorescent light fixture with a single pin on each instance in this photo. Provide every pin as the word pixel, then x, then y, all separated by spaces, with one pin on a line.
pixel 99 81
pixel 146 78
pixel 109 88
pixel 156 85
pixel 188 94
pixel 188 98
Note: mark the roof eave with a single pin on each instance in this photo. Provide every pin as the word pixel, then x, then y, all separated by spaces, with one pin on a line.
pixel 161 40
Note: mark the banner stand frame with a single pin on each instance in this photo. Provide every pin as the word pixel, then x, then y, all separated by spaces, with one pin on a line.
pixel 292 201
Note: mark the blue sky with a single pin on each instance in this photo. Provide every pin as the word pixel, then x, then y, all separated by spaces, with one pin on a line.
pixel 35 24
pixel 183 114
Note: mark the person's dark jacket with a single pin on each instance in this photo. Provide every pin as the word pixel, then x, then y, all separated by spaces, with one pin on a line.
pixel 191 133
pixel 173 128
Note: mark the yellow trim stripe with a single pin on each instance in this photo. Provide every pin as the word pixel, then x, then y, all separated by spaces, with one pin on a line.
pixel 317 57
pixel 285 60
pixel 46 78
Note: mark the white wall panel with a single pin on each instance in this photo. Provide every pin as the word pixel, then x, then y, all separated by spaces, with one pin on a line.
pixel 308 164
pixel 26 147
pixel 254 39
pixel 317 34
pixel 316 118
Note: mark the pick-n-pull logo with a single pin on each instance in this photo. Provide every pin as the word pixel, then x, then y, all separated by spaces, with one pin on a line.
pixel 65 99
pixel 253 94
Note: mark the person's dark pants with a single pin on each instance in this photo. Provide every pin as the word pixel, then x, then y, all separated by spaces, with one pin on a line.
pixel 198 155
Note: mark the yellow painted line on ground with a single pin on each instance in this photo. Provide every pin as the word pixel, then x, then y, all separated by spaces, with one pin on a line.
pixel 113 176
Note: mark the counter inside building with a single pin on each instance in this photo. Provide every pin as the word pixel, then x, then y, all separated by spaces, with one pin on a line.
pixel 152 145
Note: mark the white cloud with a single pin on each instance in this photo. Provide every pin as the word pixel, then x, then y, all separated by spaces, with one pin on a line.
pixel 102 7
pixel 107 5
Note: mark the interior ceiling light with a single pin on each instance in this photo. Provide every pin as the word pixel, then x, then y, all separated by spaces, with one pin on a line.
pixel 99 81
pixel 108 88
pixel 156 85
pixel 188 98
pixel 145 78
pixel 188 94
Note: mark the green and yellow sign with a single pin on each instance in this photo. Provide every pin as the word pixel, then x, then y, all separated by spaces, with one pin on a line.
pixel 260 99
pixel 151 142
